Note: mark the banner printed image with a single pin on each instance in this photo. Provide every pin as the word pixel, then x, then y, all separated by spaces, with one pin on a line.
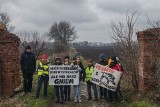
pixel 108 78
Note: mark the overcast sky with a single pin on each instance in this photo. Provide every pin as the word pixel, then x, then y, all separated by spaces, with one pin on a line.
pixel 91 18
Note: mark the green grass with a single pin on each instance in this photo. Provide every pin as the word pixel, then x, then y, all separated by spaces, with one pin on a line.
pixel 133 100
pixel 30 100
pixel 136 104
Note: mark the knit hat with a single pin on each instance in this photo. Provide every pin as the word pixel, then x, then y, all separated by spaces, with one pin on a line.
pixel 114 60
pixel 102 56
pixel 57 58
pixel 28 47
pixel 66 57
pixel 90 60
pixel 44 56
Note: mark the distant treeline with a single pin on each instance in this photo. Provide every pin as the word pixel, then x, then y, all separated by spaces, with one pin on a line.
pixel 94 52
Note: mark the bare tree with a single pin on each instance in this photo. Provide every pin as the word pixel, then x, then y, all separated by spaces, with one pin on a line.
pixel 36 40
pixel 153 23
pixel 126 46
pixel 5 19
pixel 62 33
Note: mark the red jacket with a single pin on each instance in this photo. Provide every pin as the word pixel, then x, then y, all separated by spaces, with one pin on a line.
pixel 118 68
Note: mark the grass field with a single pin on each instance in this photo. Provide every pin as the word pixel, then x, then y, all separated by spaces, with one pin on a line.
pixel 28 100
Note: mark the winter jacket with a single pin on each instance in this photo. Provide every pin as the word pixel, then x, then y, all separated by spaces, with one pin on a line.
pixel 82 73
pixel 118 68
pixel 28 62
pixel 103 62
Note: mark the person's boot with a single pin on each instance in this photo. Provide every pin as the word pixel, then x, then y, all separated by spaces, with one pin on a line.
pixel 69 99
pixel 79 99
pixel 65 99
pixel 100 97
pixel 61 102
pixel 89 98
pixel 57 101
pixel 75 99
pixel 96 99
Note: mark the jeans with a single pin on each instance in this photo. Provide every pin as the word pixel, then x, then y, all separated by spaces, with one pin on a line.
pixel 89 85
pixel 77 90
pixel 67 91
pixel 59 92
pixel 27 82
pixel 42 79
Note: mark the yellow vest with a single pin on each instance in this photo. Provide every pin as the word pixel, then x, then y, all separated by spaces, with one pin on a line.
pixel 43 69
pixel 89 73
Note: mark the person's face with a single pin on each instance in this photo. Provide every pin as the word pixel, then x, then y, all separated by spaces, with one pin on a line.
pixel 58 61
pixel 78 60
pixel 112 63
pixel 89 63
pixel 100 59
pixel 66 60
pixel 44 60
pixel 28 50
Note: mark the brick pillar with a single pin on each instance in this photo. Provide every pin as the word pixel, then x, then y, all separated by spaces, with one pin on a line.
pixel 148 50
pixel 9 62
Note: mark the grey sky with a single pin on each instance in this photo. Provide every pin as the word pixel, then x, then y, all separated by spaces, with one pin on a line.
pixel 91 18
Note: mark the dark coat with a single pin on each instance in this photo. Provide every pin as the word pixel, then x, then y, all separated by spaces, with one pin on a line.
pixel 28 62
pixel 103 62
pixel 82 74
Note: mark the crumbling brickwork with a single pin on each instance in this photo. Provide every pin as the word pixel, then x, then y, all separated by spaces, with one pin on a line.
pixel 148 51
pixel 9 63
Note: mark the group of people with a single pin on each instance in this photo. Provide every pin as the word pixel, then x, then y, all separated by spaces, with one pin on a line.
pixel 63 92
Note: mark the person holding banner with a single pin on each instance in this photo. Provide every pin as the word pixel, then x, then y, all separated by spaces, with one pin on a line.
pixel 103 61
pixel 67 88
pixel 89 70
pixel 43 71
pixel 77 88
pixel 59 88
pixel 114 65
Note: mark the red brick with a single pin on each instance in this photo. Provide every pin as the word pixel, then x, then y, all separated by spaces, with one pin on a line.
pixel 10 61
pixel 148 49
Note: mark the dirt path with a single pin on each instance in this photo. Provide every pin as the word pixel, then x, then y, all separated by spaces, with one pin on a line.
pixel 85 102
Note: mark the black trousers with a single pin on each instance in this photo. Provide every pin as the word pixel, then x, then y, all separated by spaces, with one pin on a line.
pixel 103 92
pixel 118 93
pixel 59 92
pixel 67 91
pixel 110 95
pixel 27 82
pixel 89 86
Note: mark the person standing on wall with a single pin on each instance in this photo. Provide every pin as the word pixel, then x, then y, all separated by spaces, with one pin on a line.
pixel 77 88
pixel 43 75
pixel 67 88
pixel 89 70
pixel 28 67
pixel 103 61
pixel 59 88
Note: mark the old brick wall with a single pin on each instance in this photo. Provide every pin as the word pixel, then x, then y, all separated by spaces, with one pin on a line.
pixel 10 62
pixel 148 50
